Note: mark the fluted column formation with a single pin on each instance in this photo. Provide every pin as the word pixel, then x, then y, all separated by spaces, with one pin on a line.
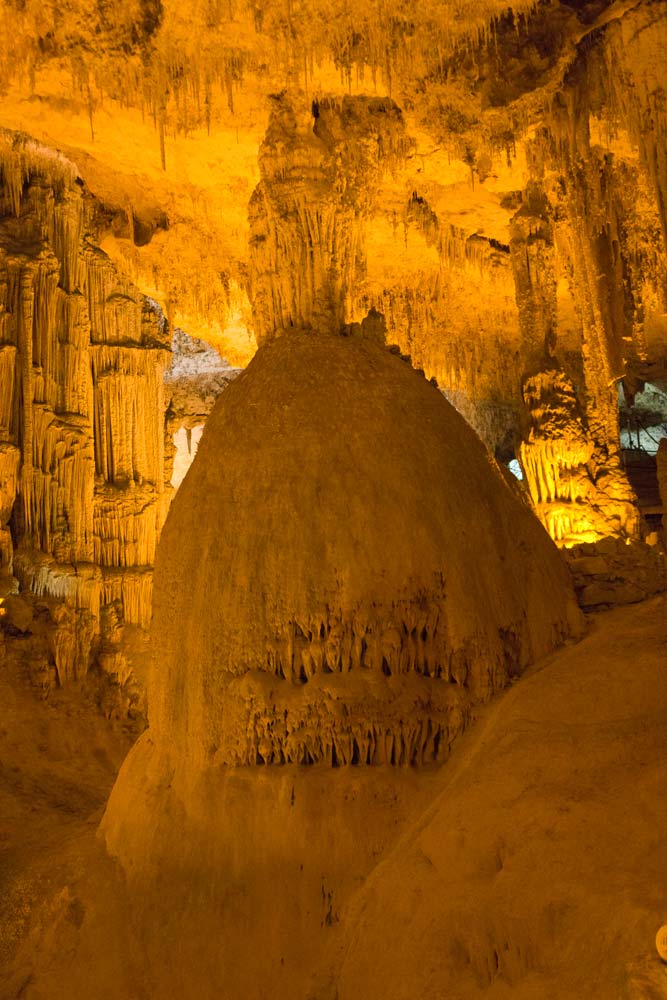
pixel 320 165
pixel 82 356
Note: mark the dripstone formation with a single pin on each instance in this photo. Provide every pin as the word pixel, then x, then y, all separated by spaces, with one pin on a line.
pixel 433 238
pixel 344 572
pixel 363 634
pixel 343 576
pixel 82 357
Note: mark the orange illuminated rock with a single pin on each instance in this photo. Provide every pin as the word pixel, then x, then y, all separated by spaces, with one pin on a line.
pixel 82 360
pixel 342 576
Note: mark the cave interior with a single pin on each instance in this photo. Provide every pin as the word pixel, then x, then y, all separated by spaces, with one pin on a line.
pixel 333 480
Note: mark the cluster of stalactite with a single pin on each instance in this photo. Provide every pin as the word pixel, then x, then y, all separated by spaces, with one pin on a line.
pixel 371 690
pixel 596 231
pixel 624 82
pixel 81 407
pixel 601 229
pixel 186 73
pixel 320 167
pixel 396 730
pixel 481 316
pixel 339 693
pixel 143 55
pixel 532 254
pixel 415 641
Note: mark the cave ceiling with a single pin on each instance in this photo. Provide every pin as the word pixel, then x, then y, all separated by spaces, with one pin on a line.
pixel 163 108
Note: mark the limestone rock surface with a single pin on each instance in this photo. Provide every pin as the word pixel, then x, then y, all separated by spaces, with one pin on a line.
pixel 342 576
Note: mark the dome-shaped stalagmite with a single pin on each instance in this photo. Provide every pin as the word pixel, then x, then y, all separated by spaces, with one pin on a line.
pixel 342 575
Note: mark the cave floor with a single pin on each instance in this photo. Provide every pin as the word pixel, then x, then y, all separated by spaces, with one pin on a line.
pixel 58 760
pixel 539 870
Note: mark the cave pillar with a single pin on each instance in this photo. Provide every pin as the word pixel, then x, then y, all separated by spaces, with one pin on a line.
pixel 320 166
pixel 556 447
pixel 571 448
pixel 589 232
pixel 82 357
pixel 532 254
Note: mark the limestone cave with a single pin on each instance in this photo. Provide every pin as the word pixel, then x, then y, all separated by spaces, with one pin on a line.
pixel 333 479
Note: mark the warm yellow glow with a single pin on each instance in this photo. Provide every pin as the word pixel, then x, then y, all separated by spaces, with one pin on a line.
pixel 661 942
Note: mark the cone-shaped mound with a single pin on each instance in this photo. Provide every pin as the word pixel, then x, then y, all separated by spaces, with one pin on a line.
pixel 343 571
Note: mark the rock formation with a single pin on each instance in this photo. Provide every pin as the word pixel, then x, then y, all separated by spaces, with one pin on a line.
pixel 82 360
pixel 342 577
pixel 435 238
pixel 310 647
pixel 495 889
pixel 366 636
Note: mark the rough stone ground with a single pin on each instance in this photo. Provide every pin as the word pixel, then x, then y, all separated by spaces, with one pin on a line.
pixel 58 760
pixel 539 870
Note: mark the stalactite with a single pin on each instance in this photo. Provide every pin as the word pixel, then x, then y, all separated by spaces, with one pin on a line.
pixel 309 150
pixel 58 496
pixel 373 732
pixel 127 524
pixel 82 358
pixel 583 494
pixel 133 589
pixel 10 458
pixel 414 639
pixel 533 263
pixel 45 578
pixel 7 392
pixel 128 393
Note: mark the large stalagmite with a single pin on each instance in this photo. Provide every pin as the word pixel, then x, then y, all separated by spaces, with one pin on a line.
pixel 343 573
pixel 342 576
